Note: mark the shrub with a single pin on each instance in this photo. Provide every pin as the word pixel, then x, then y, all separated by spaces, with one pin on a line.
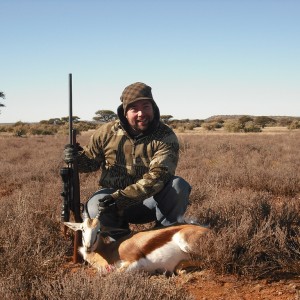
pixel 294 125
pixel 3 128
pixel 181 129
pixel 189 126
pixel 85 126
pixel 264 121
pixel 250 126
pixel 232 126
pixel 209 126
pixel 43 129
pixel 20 130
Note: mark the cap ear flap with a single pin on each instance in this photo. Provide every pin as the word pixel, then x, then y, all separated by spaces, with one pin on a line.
pixel 74 226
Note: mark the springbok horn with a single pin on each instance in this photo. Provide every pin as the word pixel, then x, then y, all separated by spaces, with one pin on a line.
pixel 98 215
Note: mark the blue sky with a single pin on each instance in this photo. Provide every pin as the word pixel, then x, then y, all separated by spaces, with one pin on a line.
pixel 201 57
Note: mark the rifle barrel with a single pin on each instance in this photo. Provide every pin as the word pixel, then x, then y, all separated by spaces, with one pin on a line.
pixel 70 110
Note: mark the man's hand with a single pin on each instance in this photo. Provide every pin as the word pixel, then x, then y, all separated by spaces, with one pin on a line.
pixel 70 153
pixel 107 204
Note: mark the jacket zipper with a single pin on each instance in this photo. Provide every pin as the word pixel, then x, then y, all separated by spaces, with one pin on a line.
pixel 133 153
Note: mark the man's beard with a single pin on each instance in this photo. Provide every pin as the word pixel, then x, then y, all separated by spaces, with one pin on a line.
pixel 140 127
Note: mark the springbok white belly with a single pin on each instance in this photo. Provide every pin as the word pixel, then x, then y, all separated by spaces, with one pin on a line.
pixel 164 258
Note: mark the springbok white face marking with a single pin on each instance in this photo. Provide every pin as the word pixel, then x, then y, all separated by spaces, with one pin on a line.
pixel 90 233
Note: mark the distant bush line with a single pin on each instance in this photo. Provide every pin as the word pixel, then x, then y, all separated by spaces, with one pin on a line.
pixel 228 123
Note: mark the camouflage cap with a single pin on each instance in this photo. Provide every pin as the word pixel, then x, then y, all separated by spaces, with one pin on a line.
pixel 134 92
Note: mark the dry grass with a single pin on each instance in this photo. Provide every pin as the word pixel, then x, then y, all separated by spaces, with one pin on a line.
pixel 246 187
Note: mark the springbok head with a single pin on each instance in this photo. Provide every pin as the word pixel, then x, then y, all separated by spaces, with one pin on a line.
pixel 90 232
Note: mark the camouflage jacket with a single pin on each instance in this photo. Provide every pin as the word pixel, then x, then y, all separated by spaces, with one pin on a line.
pixel 137 168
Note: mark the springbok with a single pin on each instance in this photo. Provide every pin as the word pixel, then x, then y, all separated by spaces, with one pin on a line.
pixel 166 249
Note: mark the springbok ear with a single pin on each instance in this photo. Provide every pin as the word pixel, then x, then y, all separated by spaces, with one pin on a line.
pixel 74 226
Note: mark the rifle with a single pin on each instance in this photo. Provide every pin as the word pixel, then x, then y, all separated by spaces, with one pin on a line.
pixel 71 190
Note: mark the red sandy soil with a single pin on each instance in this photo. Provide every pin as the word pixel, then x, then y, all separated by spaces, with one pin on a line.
pixel 205 285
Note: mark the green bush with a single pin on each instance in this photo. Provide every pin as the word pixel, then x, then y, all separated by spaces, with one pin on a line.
pixel 232 126
pixel 42 130
pixel 3 128
pixel 85 126
pixel 209 126
pixel 181 129
pixel 294 125
pixel 241 125
pixel 20 130
pixel 250 126
pixel 190 126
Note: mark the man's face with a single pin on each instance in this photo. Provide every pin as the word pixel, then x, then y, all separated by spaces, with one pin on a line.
pixel 139 115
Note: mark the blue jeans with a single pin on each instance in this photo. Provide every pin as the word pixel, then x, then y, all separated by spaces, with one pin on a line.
pixel 166 207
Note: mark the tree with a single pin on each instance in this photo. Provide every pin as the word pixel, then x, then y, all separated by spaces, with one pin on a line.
pixel 166 118
pixel 244 119
pixel 105 116
pixel 263 121
pixel 75 119
pixel 54 121
pixel 2 95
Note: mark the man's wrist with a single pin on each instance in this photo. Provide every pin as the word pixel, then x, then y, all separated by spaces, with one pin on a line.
pixel 118 200
pixel 116 195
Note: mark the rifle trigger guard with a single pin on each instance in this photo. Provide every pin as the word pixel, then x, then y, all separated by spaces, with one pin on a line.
pixel 81 207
